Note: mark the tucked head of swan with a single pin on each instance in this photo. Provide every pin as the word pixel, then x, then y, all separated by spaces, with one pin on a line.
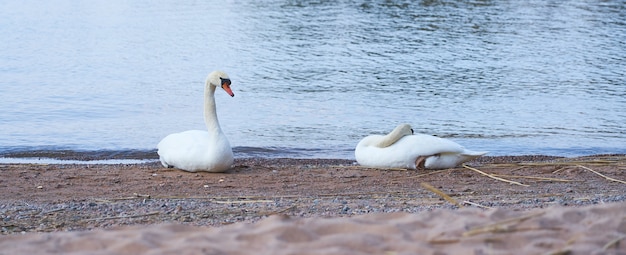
pixel 219 78
pixel 403 129
pixel 395 135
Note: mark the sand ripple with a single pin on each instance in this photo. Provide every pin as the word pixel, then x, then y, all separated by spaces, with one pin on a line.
pixel 596 229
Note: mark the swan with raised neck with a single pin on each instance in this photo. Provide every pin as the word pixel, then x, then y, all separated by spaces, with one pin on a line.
pixel 198 150
pixel 213 80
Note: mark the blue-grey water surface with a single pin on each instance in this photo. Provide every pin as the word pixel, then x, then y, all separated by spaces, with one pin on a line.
pixel 311 78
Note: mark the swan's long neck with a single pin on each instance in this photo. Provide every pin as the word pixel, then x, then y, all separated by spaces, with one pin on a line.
pixel 391 138
pixel 210 113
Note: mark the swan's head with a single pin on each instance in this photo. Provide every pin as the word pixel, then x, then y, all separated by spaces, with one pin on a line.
pixel 402 130
pixel 387 140
pixel 220 79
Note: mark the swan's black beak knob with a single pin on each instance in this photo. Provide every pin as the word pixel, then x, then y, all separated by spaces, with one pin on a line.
pixel 226 86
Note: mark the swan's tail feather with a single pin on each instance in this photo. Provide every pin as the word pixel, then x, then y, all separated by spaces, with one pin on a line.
pixel 474 153
pixel 469 155
pixel 449 160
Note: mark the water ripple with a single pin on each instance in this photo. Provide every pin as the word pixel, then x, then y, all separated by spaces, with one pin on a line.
pixel 316 76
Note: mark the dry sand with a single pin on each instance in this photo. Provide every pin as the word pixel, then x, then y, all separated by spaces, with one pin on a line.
pixel 541 205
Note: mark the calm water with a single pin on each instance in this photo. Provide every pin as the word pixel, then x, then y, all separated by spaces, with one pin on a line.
pixel 313 77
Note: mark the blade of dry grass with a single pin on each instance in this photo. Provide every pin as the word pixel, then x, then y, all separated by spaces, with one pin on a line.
pixel 613 242
pixel 441 194
pixel 124 217
pixel 243 201
pixel 604 176
pixel 570 163
pixel 532 177
pixel 500 226
pixel 495 177
pixel 429 173
pixel 476 204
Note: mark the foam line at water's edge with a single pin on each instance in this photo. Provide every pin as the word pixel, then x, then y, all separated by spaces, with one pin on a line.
pixel 46 161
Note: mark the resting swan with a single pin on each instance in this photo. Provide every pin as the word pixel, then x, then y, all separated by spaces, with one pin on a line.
pixel 403 149
pixel 201 150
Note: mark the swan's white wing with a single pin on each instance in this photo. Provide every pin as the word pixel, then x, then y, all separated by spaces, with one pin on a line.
pixel 195 150
pixel 180 150
pixel 422 145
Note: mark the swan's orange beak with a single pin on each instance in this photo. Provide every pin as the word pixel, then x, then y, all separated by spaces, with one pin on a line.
pixel 228 90
pixel 226 87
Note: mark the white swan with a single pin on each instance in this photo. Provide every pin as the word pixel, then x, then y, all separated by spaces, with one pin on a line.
pixel 198 150
pixel 403 149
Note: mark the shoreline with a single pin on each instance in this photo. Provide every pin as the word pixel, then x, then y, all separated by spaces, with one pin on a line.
pixel 63 153
pixel 90 157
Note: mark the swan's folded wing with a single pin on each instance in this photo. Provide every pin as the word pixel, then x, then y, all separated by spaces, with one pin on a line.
pixel 424 145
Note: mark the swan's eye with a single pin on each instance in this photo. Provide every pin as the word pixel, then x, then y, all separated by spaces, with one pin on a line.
pixel 225 81
pixel 412 132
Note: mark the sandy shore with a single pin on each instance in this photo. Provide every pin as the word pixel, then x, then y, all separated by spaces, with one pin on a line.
pixel 499 205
